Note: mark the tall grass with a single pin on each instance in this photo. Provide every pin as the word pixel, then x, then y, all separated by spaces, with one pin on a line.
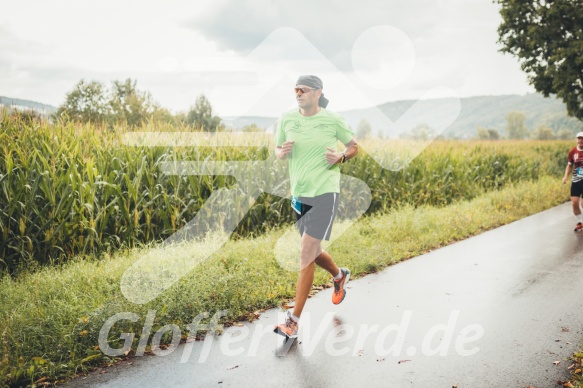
pixel 69 190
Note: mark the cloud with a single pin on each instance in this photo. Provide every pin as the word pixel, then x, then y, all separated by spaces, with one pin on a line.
pixel 332 27
pixel 177 56
pixel 13 47
pixel 445 34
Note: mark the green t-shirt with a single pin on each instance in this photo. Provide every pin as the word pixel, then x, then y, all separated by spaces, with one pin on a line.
pixel 310 174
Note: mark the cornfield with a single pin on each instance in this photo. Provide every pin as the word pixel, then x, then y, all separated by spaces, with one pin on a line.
pixel 69 190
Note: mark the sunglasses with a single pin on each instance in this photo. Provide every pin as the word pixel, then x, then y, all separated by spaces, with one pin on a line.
pixel 303 90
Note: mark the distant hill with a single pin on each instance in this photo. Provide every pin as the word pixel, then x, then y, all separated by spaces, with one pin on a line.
pixel 15 103
pixel 483 111
pixel 266 123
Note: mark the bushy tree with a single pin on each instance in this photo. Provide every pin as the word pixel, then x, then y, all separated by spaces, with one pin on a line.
pixel 494 134
pixel 543 132
pixel 364 129
pixel 251 128
pixel 128 104
pixel 483 133
pixel 565 134
pixel 200 116
pixel 515 126
pixel 422 132
pixel 488 134
pixel 124 102
pixel 547 38
pixel 163 115
pixel 87 102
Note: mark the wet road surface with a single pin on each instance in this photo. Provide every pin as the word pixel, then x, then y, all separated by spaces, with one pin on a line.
pixel 496 310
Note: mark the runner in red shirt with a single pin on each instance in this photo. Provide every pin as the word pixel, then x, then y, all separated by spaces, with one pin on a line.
pixel 575 165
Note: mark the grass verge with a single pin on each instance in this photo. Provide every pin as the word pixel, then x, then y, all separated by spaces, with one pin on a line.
pixel 50 320
pixel 576 369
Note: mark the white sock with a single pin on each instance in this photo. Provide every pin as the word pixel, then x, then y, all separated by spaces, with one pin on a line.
pixel 580 218
pixel 296 319
pixel 339 276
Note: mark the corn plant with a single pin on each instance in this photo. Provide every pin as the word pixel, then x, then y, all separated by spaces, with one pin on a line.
pixel 69 189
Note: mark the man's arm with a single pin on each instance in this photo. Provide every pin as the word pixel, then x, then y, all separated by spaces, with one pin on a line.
pixel 568 171
pixel 285 149
pixel 351 149
pixel 334 157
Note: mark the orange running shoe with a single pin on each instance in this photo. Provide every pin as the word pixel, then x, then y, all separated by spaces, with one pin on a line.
pixel 339 286
pixel 578 227
pixel 288 329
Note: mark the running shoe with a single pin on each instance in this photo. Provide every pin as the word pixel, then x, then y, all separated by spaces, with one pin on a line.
pixel 578 227
pixel 288 329
pixel 339 286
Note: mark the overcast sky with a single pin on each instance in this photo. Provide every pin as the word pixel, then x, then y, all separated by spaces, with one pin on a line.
pixel 246 54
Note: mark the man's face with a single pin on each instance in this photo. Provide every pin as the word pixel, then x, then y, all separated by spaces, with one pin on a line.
pixel 580 142
pixel 307 97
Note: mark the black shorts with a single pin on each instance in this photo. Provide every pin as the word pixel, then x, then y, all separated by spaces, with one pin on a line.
pixel 577 189
pixel 317 216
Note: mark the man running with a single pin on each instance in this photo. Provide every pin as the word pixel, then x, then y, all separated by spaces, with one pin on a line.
pixel 308 137
pixel 575 165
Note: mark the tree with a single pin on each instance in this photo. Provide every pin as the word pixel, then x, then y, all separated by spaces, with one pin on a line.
pixel 515 126
pixel 92 102
pixel 364 129
pixel 565 134
pixel 128 104
pixel 494 134
pixel 162 115
pixel 483 134
pixel 420 132
pixel 547 38
pixel 86 102
pixel 488 134
pixel 251 128
pixel 201 116
pixel 543 132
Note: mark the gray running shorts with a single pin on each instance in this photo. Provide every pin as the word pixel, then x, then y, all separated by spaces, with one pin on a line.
pixel 317 215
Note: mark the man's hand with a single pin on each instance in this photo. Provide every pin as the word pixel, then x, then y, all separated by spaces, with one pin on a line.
pixel 285 149
pixel 333 156
pixel 564 180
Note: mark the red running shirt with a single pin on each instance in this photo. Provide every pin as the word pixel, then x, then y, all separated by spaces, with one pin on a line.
pixel 576 160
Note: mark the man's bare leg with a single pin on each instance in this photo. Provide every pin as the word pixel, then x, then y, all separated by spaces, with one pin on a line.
pixel 309 251
pixel 326 262
pixel 575 201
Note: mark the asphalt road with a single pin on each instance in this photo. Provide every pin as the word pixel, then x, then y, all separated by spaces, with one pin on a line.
pixel 496 310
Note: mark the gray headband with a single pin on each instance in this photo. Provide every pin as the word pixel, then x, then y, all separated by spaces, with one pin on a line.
pixel 311 81
pixel 316 83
